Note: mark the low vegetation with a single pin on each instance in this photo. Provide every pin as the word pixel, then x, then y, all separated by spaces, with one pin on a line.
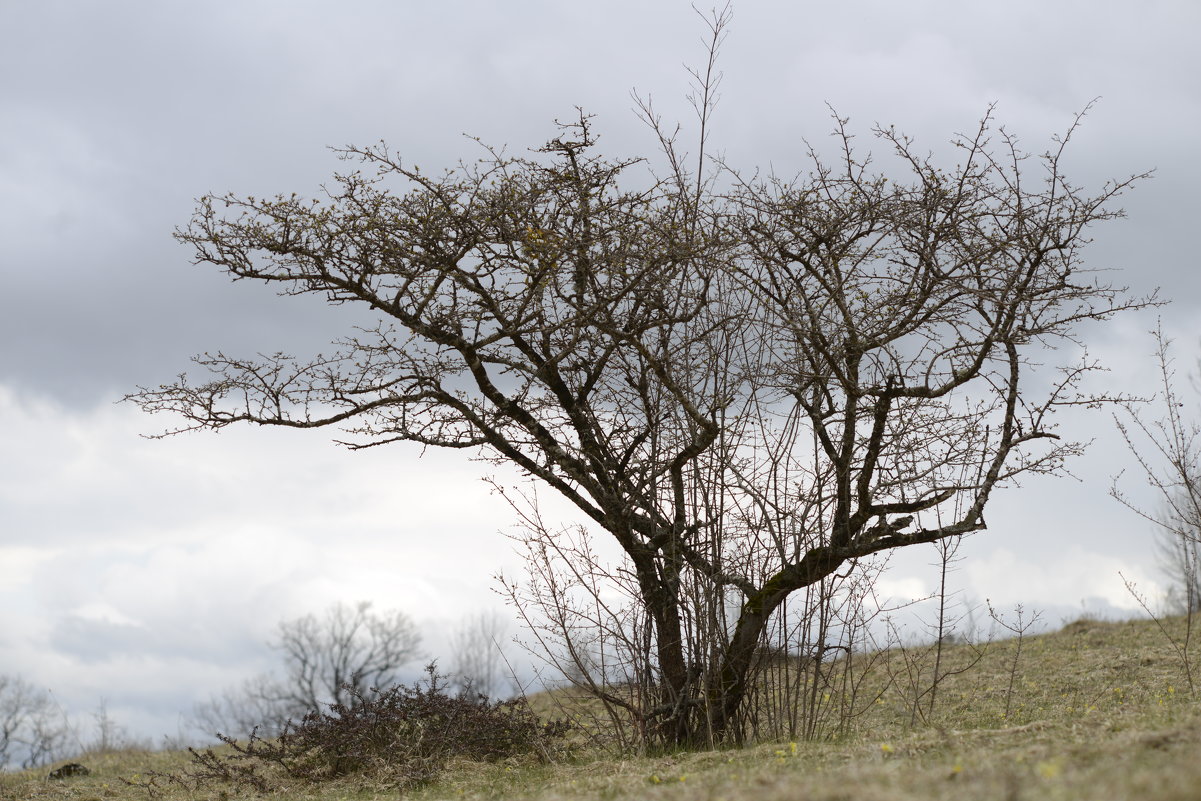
pixel 1095 710
pixel 399 738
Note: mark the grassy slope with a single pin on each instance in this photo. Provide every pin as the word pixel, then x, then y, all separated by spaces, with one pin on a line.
pixel 1100 710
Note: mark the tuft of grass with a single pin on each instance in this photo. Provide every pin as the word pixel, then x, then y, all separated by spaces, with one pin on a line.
pixel 1097 710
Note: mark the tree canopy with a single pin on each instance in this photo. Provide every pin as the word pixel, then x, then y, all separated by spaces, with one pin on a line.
pixel 748 383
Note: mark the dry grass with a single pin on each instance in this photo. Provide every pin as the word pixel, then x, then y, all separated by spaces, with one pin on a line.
pixel 1100 710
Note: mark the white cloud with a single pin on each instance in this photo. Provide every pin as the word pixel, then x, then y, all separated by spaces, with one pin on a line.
pixel 132 559
pixel 902 589
pixel 1074 575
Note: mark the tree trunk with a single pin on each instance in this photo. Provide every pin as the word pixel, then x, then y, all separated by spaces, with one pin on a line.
pixel 660 594
pixel 727 691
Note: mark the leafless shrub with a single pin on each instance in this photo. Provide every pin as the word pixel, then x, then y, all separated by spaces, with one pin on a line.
pixel 1180 644
pixel 401 737
pixel 808 681
pixel 922 667
pixel 1018 627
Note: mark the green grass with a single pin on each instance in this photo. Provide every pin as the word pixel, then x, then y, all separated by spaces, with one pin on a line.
pixel 1099 710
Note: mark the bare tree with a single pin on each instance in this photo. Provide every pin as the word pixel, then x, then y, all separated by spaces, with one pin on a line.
pixel 344 654
pixel 1180 561
pixel 349 648
pixel 110 735
pixel 1168 453
pixel 477 653
pixel 33 729
pixel 749 391
pixel 14 706
pixel 256 704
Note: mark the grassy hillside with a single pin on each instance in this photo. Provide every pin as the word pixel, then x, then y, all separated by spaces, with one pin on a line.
pixel 1097 710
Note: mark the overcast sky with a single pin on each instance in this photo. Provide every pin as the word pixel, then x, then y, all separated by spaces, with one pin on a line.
pixel 150 573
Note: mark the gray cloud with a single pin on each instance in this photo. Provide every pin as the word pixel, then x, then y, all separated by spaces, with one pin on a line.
pixel 120 114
